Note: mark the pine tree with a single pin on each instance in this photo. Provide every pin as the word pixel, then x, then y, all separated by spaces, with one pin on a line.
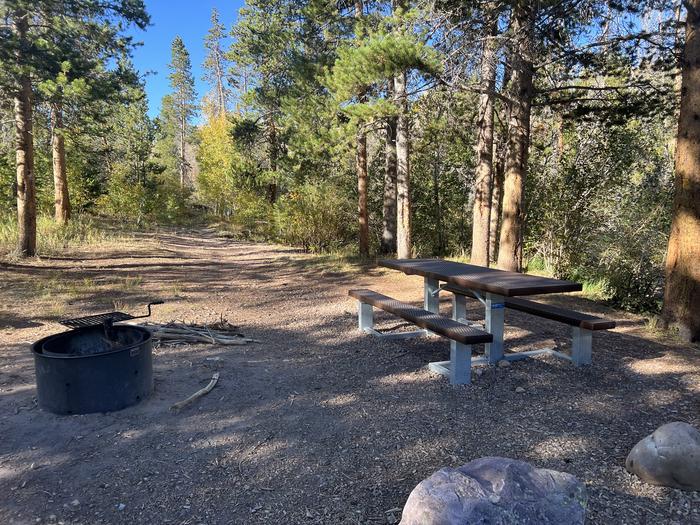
pixel 481 222
pixel 216 66
pixel 184 101
pixel 682 293
pixel 522 92
pixel 36 43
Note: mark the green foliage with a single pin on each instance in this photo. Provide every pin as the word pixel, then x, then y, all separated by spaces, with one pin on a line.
pixel 253 215
pixel 216 180
pixel 52 238
pixel 377 58
pixel 602 212
pixel 315 217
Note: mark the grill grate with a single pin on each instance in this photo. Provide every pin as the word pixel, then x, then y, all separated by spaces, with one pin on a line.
pixel 97 319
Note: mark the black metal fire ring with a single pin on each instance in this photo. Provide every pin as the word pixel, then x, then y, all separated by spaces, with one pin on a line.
pixel 73 378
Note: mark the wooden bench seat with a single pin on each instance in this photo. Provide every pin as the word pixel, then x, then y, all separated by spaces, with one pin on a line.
pixel 583 324
pixel 459 369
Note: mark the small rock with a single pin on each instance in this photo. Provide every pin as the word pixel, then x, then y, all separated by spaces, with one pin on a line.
pixel 519 390
pixel 497 490
pixel 503 363
pixel 75 502
pixel 670 457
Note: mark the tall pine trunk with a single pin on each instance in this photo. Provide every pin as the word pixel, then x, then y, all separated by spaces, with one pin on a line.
pixel 183 160
pixel 496 203
pixel 389 203
pixel 482 210
pixel 361 169
pixel 24 150
pixel 62 208
pixel 272 185
pixel 510 245
pixel 403 186
pixel 437 205
pixel 220 94
pixel 682 293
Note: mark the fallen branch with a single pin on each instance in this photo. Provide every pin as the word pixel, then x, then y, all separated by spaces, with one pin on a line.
pixel 198 393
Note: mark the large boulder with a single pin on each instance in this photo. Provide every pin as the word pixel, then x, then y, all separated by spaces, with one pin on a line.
pixel 670 456
pixel 499 491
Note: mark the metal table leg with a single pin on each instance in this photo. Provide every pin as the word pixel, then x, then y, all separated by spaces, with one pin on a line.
pixel 431 295
pixel 495 308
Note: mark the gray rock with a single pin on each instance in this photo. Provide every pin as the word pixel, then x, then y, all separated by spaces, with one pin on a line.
pixel 496 491
pixel 670 456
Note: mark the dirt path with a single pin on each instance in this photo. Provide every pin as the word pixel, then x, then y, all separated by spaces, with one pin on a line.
pixel 318 424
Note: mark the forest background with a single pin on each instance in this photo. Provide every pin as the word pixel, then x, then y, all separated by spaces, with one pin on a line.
pixel 536 135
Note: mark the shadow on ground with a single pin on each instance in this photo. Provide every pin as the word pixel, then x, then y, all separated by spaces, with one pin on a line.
pixel 318 423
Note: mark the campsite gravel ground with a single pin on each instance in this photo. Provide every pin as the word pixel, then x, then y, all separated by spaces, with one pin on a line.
pixel 317 423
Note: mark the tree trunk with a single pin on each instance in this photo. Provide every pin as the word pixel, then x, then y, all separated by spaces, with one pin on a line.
pixel 361 168
pixel 440 234
pixel 272 185
pixel 24 152
pixel 510 246
pixel 183 161
pixel 220 95
pixel 389 205
pixel 496 205
pixel 403 186
pixel 682 292
pixel 58 152
pixel 481 221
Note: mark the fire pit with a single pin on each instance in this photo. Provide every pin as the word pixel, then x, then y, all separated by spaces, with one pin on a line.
pixel 95 368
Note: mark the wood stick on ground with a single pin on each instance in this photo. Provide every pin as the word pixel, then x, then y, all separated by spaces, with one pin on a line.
pixel 198 393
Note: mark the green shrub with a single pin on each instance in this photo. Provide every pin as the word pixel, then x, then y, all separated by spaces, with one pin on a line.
pixel 315 217
pixel 252 215
pixel 52 238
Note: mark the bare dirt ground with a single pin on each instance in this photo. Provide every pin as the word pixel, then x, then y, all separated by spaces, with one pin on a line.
pixel 318 423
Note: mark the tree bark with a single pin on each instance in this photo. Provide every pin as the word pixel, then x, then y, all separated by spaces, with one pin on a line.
pixel 389 204
pixel 481 221
pixel 183 160
pixel 62 208
pixel 272 186
pixel 510 245
pixel 682 292
pixel 220 91
pixel 24 150
pixel 361 169
pixel 496 204
pixel 403 186
pixel 440 234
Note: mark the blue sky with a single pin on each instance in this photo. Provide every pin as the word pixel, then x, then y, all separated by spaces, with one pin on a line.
pixel 190 20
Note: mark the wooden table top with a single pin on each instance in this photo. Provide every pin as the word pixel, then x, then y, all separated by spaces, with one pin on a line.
pixel 474 277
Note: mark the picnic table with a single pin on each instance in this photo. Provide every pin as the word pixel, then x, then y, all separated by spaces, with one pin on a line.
pixel 489 285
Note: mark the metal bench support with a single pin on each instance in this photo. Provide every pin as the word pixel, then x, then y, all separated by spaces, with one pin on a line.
pixel 366 324
pixel 365 315
pixel 581 343
pixel 459 368
pixel 459 312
